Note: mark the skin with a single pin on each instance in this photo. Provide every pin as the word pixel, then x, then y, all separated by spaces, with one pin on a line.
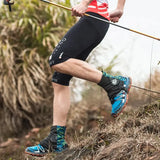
pixel 77 68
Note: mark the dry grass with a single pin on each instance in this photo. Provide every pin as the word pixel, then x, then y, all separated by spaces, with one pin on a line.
pixel 27 38
pixel 24 88
pixel 133 135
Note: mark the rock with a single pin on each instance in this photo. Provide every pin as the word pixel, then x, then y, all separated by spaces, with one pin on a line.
pixel 35 130
pixel 9 142
pixel 27 136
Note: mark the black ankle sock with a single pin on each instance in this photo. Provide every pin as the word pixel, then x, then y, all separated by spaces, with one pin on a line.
pixel 111 85
pixel 104 81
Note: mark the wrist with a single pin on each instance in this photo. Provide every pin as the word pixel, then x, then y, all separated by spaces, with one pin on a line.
pixel 120 8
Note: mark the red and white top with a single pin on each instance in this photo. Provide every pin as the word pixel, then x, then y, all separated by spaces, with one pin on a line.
pixel 100 7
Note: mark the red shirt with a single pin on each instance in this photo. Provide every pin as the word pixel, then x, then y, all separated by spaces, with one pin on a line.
pixel 100 7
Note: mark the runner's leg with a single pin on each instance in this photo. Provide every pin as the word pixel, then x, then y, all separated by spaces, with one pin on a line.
pixel 61 104
pixel 77 44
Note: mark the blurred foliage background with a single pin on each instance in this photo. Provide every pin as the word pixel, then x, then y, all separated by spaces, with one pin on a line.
pixel 28 36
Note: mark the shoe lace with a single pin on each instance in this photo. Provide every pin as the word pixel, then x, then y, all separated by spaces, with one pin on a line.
pixel 41 149
pixel 119 96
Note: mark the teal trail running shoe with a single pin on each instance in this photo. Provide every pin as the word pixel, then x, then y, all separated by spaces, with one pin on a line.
pixel 120 100
pixel 117 88
pixel 55 142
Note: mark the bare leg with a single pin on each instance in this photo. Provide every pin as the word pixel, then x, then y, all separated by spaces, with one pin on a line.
pixel 61 104
pixel 80 69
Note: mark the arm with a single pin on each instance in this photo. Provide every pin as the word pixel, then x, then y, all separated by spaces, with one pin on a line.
pixel 120 4
pixel 118 12
pixel 80 9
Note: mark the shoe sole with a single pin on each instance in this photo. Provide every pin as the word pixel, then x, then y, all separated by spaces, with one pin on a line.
pixel 40 155
pixel 124 106
pixel 36 155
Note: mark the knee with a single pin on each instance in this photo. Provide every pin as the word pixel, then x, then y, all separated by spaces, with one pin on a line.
pixel 60 67
pixel 58 88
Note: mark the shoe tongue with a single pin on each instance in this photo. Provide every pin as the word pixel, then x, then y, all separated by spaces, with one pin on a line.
pixel 53 129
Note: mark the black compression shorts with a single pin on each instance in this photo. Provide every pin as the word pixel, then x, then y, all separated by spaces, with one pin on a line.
pixel 79 41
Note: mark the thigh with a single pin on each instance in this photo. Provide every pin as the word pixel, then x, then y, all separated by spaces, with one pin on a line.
pixel 78 39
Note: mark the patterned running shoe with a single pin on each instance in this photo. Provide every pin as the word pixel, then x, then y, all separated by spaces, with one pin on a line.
pixel 117 88
pixel 55 142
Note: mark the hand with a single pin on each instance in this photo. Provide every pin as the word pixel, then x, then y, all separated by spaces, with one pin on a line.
pixel 115 15
pixel 79 10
